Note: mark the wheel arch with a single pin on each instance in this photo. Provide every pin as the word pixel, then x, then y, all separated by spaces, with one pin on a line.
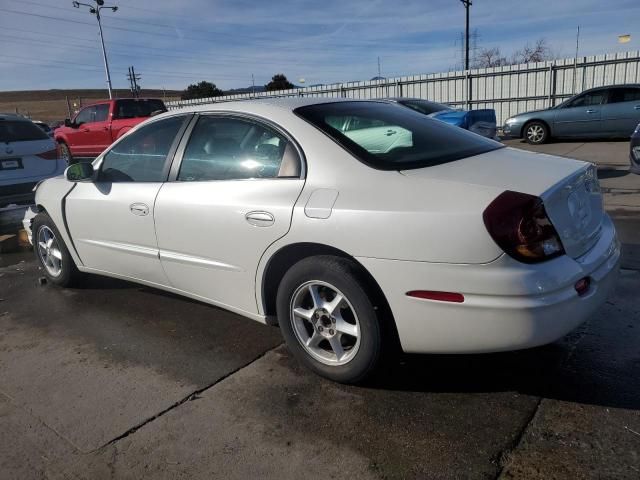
pixel 289 255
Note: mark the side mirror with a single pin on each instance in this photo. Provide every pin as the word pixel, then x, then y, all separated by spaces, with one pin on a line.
pixel 79 172
pixel 68 123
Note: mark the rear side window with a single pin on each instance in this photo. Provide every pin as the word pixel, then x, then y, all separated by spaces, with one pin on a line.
pixel 20 131
pixel 132 108
pixel 618 95
pixel 142 155
pixel 226 148
pixel 390 137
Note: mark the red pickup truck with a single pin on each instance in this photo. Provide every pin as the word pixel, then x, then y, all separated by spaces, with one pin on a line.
pixel 98 125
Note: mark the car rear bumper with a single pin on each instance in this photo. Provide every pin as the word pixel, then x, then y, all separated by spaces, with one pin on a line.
pixel 507 305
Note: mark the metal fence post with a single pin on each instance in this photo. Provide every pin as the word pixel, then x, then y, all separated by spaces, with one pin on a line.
pixel 553 75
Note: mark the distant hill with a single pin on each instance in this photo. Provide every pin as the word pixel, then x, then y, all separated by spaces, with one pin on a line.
pixel 51 105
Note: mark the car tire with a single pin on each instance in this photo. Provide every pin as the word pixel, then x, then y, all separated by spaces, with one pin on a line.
pixel 340 341
pixel 536 133
pixel 52 253
pixel 65 153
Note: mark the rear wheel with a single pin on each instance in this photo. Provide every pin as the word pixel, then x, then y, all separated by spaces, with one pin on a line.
pixel 536 133
pixel 52 253
pixel 65 153
pixel 328 320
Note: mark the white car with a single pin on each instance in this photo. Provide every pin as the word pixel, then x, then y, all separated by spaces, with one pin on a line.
pixel 27 155
pixel 356 225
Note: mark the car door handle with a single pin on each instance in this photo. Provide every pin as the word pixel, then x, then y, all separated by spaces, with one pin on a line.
pixel 139 209
pixel 637 107
pixel 260 219
pixel 592 111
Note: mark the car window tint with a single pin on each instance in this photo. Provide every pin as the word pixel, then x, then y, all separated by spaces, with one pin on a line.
pixel 388 137
pixel 132 108
pixel 424 106
pixel 20 131
pixel 85 115
pixel 223 148
pixel 592 98
pixel 101 112
pixel 618 95
pixel 141 156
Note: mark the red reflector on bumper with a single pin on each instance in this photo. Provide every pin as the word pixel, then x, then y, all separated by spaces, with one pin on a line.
pixel 582 286
pixel 439 296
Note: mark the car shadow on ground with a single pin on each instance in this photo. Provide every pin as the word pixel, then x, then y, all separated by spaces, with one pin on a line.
pixel 608 172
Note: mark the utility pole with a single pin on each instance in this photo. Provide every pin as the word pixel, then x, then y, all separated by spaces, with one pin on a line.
pixel 575 59
pixel 467 4
pixel 133 82
pixel 379 75
pixel 95 10
pixel 253 86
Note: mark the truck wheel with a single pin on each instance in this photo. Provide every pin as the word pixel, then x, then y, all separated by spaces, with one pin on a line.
pixel 65 153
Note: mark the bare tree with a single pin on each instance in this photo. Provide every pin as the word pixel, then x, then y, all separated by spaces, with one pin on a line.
pixel 538 52
pixel 490 57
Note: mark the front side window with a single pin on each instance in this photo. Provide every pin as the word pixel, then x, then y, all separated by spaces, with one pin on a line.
pixel 588 99
pixel 142 155
pixel 101 112
pixel 226 148
pixel 85 115
pixel 393 138
pixel 619 95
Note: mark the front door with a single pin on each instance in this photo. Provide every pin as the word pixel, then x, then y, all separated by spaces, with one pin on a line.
pixel 97 132
pixel 582 117
pixel 111 220
pixel 232 197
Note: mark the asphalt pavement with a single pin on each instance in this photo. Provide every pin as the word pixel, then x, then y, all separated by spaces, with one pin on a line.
pixel 115 380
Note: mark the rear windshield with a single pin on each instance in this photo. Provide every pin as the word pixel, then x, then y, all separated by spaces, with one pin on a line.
pixel 138 108
pixel 390 137
pixel 20 131
pixel 424 106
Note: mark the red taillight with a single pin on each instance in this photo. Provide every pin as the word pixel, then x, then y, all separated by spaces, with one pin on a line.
pixel 440 296
pixel 582 286
pixel 49 154
pixel 519 224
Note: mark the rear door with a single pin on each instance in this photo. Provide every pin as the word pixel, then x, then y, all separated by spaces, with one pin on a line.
pixel 581 117
pixel 231 196
pixel 621 113
pixel 111 219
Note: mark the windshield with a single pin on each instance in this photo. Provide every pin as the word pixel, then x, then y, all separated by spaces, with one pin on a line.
pixel 20 131
pixel 132 108
pixel 424 106
pixel 388 137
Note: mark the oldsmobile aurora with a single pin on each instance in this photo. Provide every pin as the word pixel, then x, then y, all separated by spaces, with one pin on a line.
pixel 357 226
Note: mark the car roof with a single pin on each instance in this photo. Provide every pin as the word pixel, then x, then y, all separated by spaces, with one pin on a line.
pixel 288 103
pixel 13 117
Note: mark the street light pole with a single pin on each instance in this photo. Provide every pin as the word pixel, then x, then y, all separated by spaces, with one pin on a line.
pixel 467 4
pixel 96 11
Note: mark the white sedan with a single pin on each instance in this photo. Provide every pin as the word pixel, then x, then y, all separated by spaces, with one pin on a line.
pixel 357 226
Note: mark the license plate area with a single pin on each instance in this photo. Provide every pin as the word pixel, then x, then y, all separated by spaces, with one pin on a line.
pixel 11 164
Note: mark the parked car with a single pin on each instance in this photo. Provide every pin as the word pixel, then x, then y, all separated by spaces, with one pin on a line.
pixel 601 112
pixel 482 122
pixel 44 127
pixel 96 126
pixel 353 223
pixel 634 153
pixel 27 156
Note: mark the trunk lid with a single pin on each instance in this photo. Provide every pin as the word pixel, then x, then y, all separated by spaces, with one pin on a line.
pixel 569 188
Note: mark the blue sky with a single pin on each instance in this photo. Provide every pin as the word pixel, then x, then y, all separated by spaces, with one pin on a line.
pixel 49 44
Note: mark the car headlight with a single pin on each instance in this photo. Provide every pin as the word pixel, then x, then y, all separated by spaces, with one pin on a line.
pixel 636 153
pixel 510 121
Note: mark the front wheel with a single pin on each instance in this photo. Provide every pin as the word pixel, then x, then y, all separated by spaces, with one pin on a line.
pixel 52 253
pixel 536 133
pixel 65 153
pixel 328 319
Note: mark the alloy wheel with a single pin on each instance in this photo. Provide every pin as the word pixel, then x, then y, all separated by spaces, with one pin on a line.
pixel 49 251
pixel 535 133
pixel 325 323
